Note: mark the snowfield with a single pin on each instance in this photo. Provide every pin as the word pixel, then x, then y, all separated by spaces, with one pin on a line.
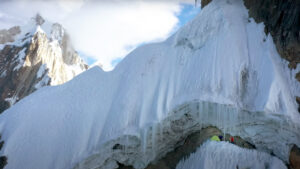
pixel 220 69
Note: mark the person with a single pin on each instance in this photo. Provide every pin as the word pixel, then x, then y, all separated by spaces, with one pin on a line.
pixel 231 139
pixel 221 137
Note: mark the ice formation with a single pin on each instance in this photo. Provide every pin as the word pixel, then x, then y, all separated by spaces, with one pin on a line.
pixel 223 155
pixel 220 69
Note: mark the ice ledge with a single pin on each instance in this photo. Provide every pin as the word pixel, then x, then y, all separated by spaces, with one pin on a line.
pixel 269 133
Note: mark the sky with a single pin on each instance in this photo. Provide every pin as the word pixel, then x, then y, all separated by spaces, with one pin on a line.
pixel 104 32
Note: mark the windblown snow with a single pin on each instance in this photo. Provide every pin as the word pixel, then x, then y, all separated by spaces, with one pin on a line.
pixel 221 62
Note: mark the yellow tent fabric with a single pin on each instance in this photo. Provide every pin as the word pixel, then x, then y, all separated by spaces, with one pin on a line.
pixel 215 138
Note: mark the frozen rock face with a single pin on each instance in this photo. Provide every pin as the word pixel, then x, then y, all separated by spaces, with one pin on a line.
pixel 31 58
pixel 295 157
pixel 282 20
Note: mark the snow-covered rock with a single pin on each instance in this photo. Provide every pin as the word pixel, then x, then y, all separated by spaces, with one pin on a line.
pixel 219 70
pixel 35 55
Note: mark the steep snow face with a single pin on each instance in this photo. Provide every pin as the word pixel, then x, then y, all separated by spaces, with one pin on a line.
pixel 34 55
pixel 223 155
pixel 220 69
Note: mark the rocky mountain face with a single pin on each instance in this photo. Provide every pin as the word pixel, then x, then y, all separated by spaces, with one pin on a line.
pixel 282 20
pixel 33 56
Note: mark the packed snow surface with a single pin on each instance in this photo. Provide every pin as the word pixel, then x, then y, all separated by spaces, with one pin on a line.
pixel 224 155
pixel 221 57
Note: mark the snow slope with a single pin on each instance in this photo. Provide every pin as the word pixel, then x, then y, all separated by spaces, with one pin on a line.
pixel 218 69
pixel 223 155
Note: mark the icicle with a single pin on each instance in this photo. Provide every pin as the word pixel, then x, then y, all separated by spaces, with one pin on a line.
pixel 204 112
pixel 224 122
pixel 230 120
pixel 218 115
pixel 145 134
pixel 160 132
pixel 200 114
pixel 235 119
pixel 211 113
pixel 198 111
pixel 154 140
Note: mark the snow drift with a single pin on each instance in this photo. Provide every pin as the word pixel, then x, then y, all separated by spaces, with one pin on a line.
pixel 223 155
pixel 220 69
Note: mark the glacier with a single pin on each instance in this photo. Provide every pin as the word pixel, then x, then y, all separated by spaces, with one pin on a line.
pixel 220 69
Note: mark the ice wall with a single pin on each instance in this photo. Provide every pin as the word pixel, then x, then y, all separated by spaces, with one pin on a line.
pixel 270 134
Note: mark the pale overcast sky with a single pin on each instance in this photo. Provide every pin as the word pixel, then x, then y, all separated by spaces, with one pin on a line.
pixel 104 31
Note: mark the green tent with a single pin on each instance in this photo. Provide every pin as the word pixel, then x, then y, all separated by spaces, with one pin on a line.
pixel 215 138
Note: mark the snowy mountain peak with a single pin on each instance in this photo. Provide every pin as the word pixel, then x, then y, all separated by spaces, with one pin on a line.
pixel 35 55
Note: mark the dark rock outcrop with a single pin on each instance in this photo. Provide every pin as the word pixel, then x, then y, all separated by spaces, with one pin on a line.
pixel 295 157
pixel 298 76
pixel 282 20
pixel 3 159
pixel 204 3
pixel 298 101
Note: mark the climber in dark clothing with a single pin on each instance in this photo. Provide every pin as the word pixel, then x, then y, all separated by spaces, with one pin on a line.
pixel 221 137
